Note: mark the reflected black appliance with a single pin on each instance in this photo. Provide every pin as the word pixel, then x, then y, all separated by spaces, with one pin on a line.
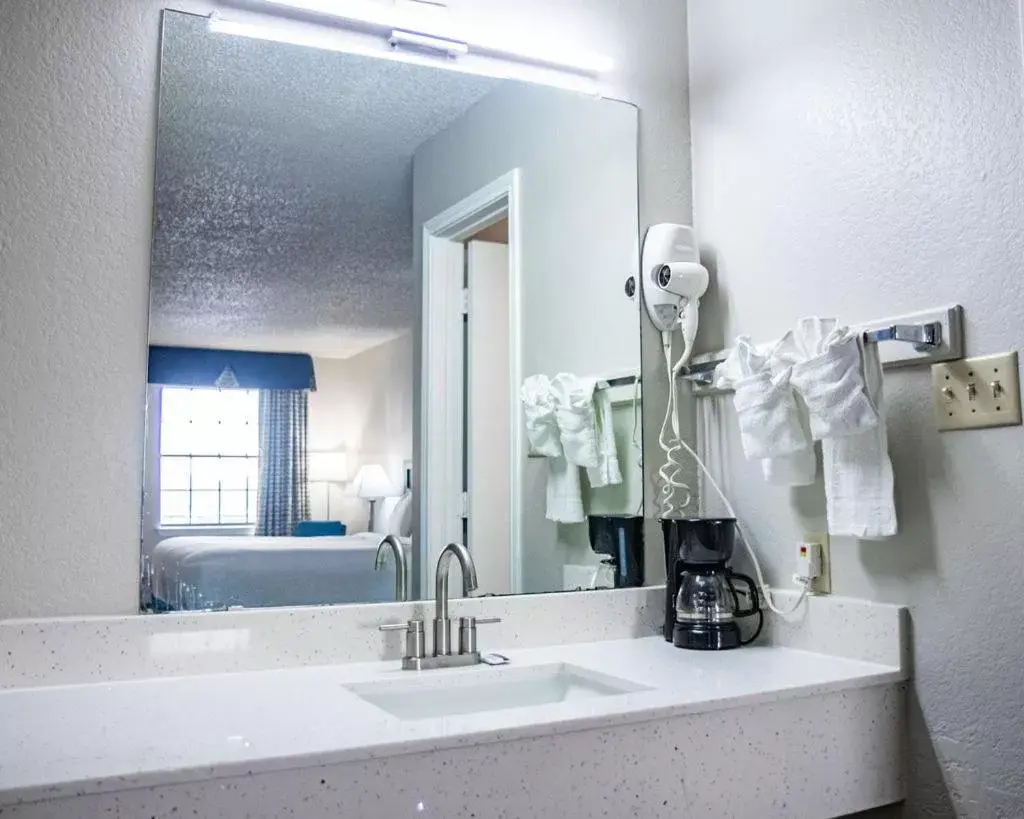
pixel 702 601
pixel 621 539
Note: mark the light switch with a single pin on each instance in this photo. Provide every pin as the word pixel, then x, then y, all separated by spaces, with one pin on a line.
pixel 977 392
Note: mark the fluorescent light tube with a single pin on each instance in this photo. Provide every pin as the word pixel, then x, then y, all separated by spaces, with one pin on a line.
pixel 377 15
pixel 324 39
pixel 340 40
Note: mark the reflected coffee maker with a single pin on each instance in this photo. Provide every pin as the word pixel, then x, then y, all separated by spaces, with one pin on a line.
pixel 702 602
pixel 620 538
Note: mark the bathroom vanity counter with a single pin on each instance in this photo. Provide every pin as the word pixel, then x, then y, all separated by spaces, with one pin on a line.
pixel 68 741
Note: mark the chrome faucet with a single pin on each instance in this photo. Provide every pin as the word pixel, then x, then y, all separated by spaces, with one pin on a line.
pixel 401 567
pixel 415 658
pixel 442 625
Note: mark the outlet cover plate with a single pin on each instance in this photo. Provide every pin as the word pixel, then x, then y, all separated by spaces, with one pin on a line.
pixel 965 396
pixel 822 584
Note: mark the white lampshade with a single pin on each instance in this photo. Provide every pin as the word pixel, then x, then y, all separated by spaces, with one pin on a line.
pixel 372 481
pixel 329 467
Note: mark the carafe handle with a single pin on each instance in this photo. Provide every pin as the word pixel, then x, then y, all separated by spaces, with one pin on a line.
pixel 755 603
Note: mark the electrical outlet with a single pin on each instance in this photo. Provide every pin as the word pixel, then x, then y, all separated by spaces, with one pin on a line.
pixel 823 583
pixel 977 392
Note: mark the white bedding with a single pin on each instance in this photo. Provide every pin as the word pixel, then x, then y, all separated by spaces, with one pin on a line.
pixel 215 571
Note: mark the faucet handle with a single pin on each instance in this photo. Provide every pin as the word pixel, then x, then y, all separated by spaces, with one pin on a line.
pixel 415 640
pixel 467 632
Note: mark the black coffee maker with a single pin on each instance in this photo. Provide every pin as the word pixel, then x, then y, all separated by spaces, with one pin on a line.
pixel 702 603
pixel 621 539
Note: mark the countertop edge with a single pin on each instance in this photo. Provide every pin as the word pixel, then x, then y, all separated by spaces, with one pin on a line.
pixel 888 676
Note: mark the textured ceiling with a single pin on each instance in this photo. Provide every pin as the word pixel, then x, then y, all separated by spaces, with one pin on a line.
pixel 284 188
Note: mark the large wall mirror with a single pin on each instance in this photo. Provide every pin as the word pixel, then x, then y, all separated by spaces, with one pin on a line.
pixel 387 299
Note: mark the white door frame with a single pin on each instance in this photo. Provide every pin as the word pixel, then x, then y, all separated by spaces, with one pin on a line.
pixel 441 421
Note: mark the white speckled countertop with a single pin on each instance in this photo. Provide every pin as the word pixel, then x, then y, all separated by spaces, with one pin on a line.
pixel 94 738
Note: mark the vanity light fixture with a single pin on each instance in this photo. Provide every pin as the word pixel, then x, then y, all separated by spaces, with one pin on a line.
pixel 452 48
pixel 421 27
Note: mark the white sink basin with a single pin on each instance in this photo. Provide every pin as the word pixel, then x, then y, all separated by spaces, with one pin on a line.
pixel 428 694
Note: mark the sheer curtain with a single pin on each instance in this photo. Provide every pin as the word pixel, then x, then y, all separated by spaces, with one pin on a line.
pixel 282 497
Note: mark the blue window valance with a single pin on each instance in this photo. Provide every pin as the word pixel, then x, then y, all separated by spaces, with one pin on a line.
pixel 234 369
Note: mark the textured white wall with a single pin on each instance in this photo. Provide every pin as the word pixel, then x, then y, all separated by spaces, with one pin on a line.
pixel 864 158
pixel 76 148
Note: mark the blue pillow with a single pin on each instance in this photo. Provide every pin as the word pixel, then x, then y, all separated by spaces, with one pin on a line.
pixel 319 528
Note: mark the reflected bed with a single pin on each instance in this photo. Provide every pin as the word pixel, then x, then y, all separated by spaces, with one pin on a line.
pixel 203 572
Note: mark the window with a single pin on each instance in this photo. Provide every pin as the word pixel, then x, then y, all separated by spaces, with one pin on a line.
pixel 209 447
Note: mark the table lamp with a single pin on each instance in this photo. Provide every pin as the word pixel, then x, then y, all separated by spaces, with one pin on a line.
pixel 372 483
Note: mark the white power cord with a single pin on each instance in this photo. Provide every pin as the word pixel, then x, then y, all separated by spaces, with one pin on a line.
pixel 637 439
pixel 671 469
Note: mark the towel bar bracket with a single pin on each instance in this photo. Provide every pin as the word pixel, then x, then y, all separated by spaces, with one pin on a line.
pixel 924 337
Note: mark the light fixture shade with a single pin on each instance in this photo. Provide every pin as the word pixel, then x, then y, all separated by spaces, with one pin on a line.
pixel 329 467
pixel 372 481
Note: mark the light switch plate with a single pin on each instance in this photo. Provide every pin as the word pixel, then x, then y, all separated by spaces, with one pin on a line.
pixel 823 583
pixel 977 392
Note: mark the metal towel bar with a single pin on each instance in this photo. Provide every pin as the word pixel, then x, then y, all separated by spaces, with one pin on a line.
pixel 925 336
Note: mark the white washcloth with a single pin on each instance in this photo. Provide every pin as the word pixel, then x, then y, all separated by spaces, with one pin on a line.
pixel 539 414
pixel 858 472
pixel 832 386
pixel 772 425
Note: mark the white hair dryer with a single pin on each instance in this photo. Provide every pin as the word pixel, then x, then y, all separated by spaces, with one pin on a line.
pixel 673 281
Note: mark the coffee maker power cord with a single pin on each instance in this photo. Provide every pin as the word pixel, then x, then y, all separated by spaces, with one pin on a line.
pixel 671 469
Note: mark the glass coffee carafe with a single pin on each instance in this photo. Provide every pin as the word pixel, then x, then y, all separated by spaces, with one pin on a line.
pixel 708 607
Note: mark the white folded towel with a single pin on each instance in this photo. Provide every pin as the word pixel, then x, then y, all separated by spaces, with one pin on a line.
pixel 810 338
pixel 772 425
pixel 563 494
pixel 539 404
pixel 577 418
pixel 742 362
pixel 858 471
pixel 832 386
pixel 768 415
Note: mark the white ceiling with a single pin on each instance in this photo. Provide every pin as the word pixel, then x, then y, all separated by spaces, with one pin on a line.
pixel 284 191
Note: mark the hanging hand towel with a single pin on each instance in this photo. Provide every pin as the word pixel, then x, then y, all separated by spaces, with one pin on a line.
pixel 858 472
pixel 577 418
pixel 607 472
pixel 564 496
